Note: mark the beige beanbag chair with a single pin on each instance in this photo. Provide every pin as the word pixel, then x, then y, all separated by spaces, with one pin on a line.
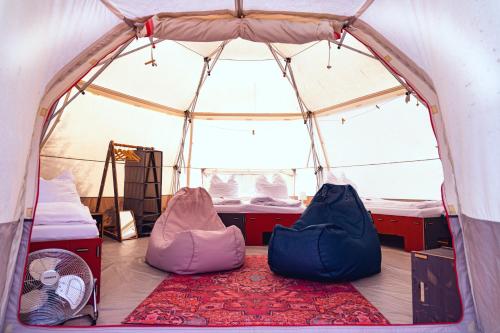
pixel 189 237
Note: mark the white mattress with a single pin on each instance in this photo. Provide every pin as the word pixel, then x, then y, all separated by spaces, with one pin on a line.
pixel 404 208
pixel 251 208
pixel 385 207
pixel 67 231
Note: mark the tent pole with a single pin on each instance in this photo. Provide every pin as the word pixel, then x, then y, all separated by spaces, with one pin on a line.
pixel 188 171
pixel 87 83
pixel 353 49
pixel 323 147
pixel 47 136
pixel 396 76
pixel 145 104
pixel 154 42
pixel 188 116
pixel 306 113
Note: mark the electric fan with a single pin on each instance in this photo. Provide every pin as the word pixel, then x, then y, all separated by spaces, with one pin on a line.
pixel 57 285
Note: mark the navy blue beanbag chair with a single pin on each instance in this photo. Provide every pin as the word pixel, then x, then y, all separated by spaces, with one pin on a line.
pixel 334 239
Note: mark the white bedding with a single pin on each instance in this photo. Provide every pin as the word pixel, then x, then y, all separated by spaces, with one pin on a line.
pixel 402 204
pixel 251 208
pixel 60 215
pixel 405 208
pixel 49 213
pixel 268 201
pixel 55 232
pixel 226 201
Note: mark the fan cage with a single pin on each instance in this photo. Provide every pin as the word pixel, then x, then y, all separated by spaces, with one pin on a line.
pixel 40 305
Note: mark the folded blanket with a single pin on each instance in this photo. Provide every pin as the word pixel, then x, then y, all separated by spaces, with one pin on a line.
pixel 384 203
pixel 226 201
pixel 268 201
pixel 62 213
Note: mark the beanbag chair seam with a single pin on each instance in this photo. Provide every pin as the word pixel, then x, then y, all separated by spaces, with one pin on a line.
pixel 237 246
pixel 319 254
pixel 193 254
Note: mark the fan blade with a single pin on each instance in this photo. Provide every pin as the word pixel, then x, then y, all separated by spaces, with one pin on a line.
pixel 38 266
pixel 33 300
pixel 72 289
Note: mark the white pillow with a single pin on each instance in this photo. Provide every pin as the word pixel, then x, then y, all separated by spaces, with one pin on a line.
pixel 276 189
pixel 342 180
pixel 60 189
pixel 66 175
pixel 220 189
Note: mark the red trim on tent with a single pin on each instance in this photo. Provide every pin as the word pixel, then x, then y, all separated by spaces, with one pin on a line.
pixel 150 27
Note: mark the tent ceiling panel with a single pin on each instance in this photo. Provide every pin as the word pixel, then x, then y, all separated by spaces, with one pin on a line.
pixel 172 83
pixel 246 79
pixel 291 50
pixel 338 7
pixel 204 49
pixel 143 8
pixel 351 75
pixel 240 49
pixel 250 88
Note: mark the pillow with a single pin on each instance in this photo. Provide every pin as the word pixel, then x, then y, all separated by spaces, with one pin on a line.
pixel 331 179
pixel 220 189
pixel 66 175
pixel 342 180
pixel 276 189
pixel 60 189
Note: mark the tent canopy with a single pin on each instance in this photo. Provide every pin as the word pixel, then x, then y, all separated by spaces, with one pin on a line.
pixel 246 83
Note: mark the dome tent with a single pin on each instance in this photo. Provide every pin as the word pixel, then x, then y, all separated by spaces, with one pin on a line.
pixel 68 39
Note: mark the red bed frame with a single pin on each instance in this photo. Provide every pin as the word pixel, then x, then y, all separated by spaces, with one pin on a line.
pixel 89 250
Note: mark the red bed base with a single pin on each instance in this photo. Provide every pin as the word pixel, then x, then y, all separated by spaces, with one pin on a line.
pixel 410 228
pixel 89 250
pixel 258 227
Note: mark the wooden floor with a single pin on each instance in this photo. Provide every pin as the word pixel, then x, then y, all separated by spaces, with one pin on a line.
pixel 127 280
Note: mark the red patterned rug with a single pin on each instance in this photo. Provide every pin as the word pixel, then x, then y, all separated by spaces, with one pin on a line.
pixel 253 296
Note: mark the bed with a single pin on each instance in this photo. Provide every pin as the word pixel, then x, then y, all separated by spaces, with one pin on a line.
pixel 421 224
pixel 246 207
pixel 62 221
pixel 257 221
pixel 424 209
pixel 257 215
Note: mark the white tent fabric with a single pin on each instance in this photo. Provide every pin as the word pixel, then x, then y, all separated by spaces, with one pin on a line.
pixel 83 149
pixel 382 148
pixel 464 67
pixel 446 50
